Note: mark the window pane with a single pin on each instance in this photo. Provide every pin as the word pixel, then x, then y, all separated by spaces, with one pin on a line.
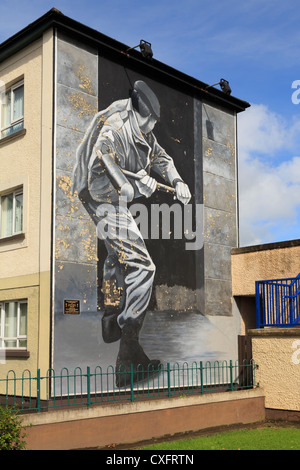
pixel 6 110
pixel 19 213
pixel 6 215
pixel 10 344
pixel 11 315
pixel 23 343
pixel 23 319
pixel 15 128
pixel 6 132
pixel 18 107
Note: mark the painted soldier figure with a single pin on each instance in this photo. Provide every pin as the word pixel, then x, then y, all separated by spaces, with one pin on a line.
pixel 122 135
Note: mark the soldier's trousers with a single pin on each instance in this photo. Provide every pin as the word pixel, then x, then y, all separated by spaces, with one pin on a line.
pixel 127 251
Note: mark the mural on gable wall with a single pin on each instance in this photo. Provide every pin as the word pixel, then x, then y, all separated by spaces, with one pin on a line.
pixel 129 269
pixel 108 174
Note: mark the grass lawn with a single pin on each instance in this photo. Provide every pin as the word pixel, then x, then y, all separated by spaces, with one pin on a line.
pixel 264 437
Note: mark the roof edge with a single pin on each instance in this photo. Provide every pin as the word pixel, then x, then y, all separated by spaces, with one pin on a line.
pixel 56 19
pixel 266 247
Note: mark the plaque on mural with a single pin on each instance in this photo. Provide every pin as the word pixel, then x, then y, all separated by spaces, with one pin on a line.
pixel 72 307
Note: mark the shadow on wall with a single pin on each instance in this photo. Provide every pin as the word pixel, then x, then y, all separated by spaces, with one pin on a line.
pixel 170 336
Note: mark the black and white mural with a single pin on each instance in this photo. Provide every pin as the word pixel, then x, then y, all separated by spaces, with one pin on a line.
pixel 113 168
pixel 139 244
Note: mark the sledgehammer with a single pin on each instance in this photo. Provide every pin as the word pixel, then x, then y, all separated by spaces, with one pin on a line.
pixel 118 177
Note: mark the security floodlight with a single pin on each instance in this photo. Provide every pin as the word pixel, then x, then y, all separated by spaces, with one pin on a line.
pixel 145 48
pixel 224 84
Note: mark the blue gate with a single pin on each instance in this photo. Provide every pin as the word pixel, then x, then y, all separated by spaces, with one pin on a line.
pixel 278 302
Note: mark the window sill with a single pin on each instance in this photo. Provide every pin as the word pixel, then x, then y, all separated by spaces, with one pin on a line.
pixel 7 353
pixel 17 236
pixel 13 136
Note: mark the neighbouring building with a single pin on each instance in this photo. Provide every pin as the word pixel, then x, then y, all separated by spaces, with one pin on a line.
pixel 266 290
pixel 61 81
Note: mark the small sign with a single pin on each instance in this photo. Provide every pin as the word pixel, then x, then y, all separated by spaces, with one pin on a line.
pixel 71 307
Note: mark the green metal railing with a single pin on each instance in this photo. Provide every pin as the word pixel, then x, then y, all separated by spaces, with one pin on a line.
pixel 87 387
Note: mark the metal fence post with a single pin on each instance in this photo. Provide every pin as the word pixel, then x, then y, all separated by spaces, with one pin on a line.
pixel 169 379
pixel 88 385
pixel 38 390
pixel 201 376
pixel 231 376
pixel 131 382
pixel 291 304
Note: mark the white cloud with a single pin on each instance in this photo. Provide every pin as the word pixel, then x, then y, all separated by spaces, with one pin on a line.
pixel 269 177
pixel 265 132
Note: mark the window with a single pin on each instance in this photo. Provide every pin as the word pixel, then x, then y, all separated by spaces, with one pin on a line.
pixel 11 213
pixel 12 110
pixel 13 325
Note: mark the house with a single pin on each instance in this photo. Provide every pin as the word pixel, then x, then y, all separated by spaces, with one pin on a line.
pixel 56 75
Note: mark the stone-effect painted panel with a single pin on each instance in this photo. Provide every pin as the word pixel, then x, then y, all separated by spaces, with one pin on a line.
pixel 77 66
pixel 75 247
pixel 220 193
pixel 217 259
pixel 74 108
pixel 220 206
pixel 219 159
pixel 219 227
pixel 218 125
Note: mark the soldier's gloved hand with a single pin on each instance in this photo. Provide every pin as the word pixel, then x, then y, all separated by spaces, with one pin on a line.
pixel 182 192
pixel 146 185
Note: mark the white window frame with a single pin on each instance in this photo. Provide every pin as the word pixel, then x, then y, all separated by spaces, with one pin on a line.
pixel 18 337
pixel 15 193
pixel 12 121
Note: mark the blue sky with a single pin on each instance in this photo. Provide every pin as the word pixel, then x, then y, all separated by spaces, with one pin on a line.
pixel 255 45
